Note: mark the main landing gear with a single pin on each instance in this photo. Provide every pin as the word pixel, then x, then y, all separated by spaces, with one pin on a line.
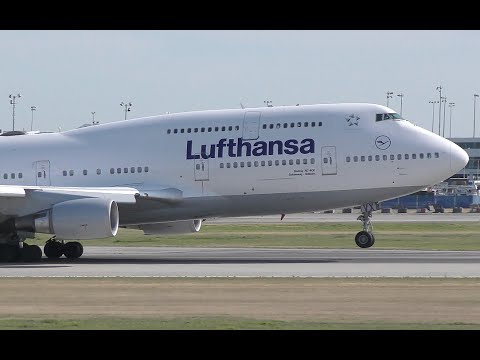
pixel 365 238
pixel 13 248
pixel 54 249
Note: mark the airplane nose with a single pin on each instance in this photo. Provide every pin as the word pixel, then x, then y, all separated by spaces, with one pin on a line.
pixel 458 157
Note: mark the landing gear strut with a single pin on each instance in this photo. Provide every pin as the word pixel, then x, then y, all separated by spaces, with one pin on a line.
pixel 365 238
pixel 54 249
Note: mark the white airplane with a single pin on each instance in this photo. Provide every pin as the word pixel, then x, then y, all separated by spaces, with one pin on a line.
pixel 168 173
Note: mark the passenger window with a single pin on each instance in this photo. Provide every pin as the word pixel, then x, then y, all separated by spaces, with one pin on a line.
pixel 216 128
pixel 182 130
pixel 146 169
pixel 429 155
pixel 202 129
pixel 297 161
pixel 255 163
pixel 284 162
pixel 228 165
pixel 195 130
pixel 392 157
pixel 242 164
pixel 112 171
pixel 277 162
pixel 119 170
pixel 285 125
pixel 221 165
pixel 70 172
pixel 437 155
pixel 299 124
pixel 377 157
pixel 385 158
pixel 290 161
pixel 292 125
pixel 169 131
pixel 39 174
pixel 20 175
pixel 84 172
pixel 13 175
pixel 235 164
pixel 305 161
pixel 5 176
pixel 271 126
pixel 406 156
pixel 209 129
pixel 197 166
pixel 399 157
pixel 175 131
pixel 325 160
pixel 312 161
pixel 269 162
pixel 262 163
pixel 319 123
pixel 249 164
pixel 348 159
pixel 414 156
pixel 189 130
pixel 279 126
pixel 264 126
pixel 139 169
pixel 370 158
pixel 64 172
pixel 223 128
pixel 355 158
pixel 237 127
pixel 132 169
pixel 99 171
pixel 229 128
pixel 421 155
pixel 313 123
pixel 362 158
pixel 305 124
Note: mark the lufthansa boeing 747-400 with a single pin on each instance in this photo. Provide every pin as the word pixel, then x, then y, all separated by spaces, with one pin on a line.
pixel 165 174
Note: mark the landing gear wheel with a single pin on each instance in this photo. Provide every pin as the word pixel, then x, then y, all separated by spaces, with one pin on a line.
pixel 364 239
pixel 53 249
pixel 72 250
pixel 8 253
pixel 31 253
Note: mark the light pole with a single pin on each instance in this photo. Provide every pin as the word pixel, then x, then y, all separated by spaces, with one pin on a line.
pixel 127 107
pixel 451 105
pixel 93 118
pixel 389 96
pixel 433 111
pixel 474 106
pixel 444 107
pixel 13 103
pixel 401 103
pixel 268 102
pixel 33 108
pixel 439 88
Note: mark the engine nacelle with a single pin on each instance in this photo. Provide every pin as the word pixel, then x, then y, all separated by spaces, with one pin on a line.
pixel 80 219
pixel 171 227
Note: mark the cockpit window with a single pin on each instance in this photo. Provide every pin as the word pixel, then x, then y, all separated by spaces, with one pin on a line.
pixel 390 116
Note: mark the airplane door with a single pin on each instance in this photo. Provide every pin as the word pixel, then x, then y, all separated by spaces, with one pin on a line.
pixel 251 123
pixel 329 160
pixel 42 172
pixel 201 169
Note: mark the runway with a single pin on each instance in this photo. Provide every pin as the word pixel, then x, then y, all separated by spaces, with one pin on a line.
pixel 251 262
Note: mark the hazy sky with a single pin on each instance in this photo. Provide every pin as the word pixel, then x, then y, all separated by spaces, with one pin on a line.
pixel 68 74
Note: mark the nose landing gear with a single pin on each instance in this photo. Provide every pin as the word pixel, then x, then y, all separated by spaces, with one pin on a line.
pixel 365 238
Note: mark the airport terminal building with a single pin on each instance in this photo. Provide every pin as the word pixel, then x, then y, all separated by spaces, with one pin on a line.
pixel 472 147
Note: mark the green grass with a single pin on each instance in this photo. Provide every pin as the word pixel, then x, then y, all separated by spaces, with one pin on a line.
pixel 213 323
pixel 395 235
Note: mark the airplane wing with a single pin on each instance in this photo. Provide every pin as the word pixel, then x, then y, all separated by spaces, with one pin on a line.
pixel 118 194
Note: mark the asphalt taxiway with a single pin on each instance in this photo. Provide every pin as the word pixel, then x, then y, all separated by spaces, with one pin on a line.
pixel 251 262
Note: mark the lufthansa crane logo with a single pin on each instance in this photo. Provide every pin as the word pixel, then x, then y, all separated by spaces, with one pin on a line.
pixel 383 142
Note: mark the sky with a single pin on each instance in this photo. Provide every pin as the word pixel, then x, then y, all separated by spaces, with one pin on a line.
pixel 68 74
